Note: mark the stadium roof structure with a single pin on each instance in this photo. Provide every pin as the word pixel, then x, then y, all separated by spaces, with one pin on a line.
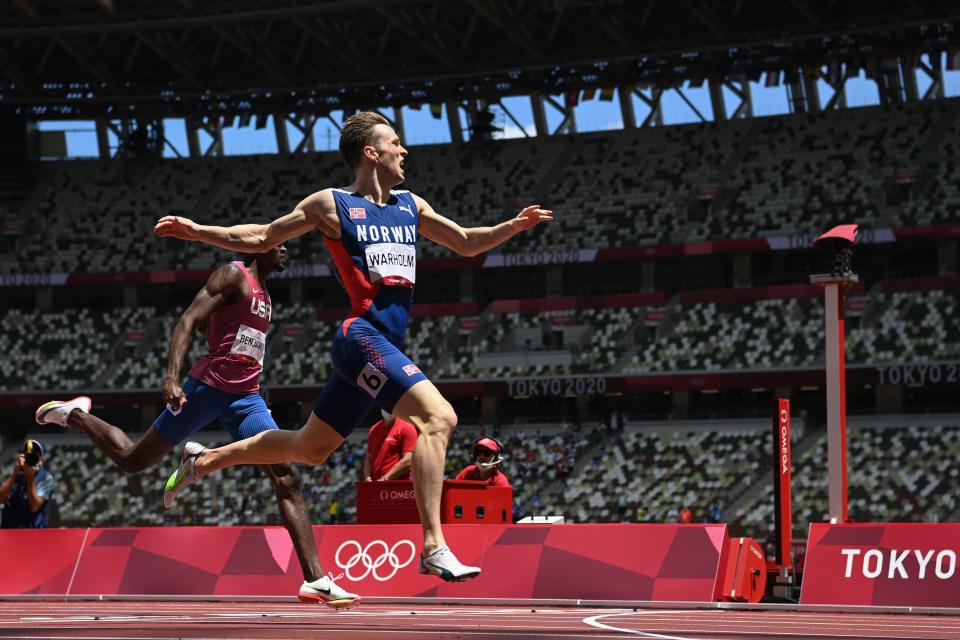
pixel 168 58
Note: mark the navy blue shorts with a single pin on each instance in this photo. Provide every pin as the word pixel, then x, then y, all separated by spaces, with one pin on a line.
pixel 367 369
pixel 243 414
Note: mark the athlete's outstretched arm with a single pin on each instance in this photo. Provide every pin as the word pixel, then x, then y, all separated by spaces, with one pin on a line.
pixel 317 211
pixel 475 240
pixel 221 286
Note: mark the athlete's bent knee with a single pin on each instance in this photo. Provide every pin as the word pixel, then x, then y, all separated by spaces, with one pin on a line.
pixel 129 464
pixel 442 421
pixel 286 479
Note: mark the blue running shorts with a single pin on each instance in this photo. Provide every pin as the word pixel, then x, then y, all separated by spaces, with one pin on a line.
pixel 242 414
pixel 367 369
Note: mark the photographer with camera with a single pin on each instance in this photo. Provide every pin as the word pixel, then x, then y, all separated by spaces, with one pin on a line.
pixel 26 492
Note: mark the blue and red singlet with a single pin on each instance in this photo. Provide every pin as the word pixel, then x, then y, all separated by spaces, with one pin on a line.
pixel 376 259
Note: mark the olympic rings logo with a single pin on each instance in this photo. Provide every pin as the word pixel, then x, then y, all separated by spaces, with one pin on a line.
pixel 363 556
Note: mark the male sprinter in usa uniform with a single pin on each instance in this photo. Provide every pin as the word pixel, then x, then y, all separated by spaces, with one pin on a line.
pixel 235 309
pixel 371 233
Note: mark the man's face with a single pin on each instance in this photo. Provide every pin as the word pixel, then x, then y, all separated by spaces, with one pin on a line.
pixel 390 153
pixel 277 258
pixel 485 457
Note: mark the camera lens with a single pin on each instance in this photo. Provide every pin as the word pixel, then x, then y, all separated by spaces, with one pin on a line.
pixel 31 459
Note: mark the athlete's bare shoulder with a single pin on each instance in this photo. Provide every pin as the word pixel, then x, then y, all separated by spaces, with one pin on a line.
pixel 321 209
pixel 227 271
pixel 422 205
pixel 227 280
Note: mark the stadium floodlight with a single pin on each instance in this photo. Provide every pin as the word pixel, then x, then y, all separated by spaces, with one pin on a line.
pixel 839 243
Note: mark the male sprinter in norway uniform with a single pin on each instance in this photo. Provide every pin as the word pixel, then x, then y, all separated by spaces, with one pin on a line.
pixel 371 232
pixel 235 308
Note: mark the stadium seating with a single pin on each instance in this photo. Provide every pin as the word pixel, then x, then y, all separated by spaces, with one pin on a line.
pixel 713 336
pixel 63 350
pixel 537 460
pixel 896 473
pixel 808 173
pixel 661 470
pixel 240 495
pixel 933 196
pixel 594 338
pixel 786 175
pixel 903 326
pixel 99 216
pixel 129 345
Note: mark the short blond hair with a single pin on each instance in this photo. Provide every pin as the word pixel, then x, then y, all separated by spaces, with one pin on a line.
pixel 357 133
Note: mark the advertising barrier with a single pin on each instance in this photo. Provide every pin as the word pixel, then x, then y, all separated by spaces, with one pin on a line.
pixel 661 562
pixel 882 565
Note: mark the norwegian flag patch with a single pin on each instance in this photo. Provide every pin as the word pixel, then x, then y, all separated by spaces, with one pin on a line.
pixel 411 369
pixel 358 213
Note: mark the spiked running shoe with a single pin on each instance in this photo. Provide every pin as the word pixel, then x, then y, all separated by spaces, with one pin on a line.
pixel 57 411
pixel 328 592
pixel 443 564
pixel 185 475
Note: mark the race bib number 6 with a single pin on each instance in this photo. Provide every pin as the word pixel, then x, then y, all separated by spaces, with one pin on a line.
pixel 371 380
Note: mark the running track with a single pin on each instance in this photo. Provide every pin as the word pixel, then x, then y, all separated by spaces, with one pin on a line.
pixel 281 621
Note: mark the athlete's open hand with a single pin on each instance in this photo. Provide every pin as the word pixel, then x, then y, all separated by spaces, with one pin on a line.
pixel 532 216
pixel 176 227
pixel 173 395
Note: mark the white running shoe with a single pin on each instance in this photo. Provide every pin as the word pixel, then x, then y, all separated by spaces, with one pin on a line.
pixel 326 590
pixel 185 475
pixel 57 411
pixel 444 564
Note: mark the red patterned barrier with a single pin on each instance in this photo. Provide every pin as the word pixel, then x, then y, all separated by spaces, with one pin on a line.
pixel 883 565
pixel 616 562
pixel 39 561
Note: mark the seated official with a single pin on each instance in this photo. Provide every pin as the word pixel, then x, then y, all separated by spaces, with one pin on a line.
pixel 486 458
pixel 390 444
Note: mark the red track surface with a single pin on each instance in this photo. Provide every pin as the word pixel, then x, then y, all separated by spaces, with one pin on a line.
pixel 115 620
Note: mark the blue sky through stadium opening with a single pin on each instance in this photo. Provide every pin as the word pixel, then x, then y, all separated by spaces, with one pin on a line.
pixel 421 127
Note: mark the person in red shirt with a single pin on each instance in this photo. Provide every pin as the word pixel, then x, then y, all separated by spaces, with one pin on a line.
pixel 486 457
pixel 390 444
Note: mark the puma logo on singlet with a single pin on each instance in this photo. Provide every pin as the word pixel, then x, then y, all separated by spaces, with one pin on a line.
pixel 404 207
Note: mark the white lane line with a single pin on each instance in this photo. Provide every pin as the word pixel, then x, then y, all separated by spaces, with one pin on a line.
pixel 98 618
pixel 76 565
pixel 801 634
pixel 594 621
pixel 840 623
